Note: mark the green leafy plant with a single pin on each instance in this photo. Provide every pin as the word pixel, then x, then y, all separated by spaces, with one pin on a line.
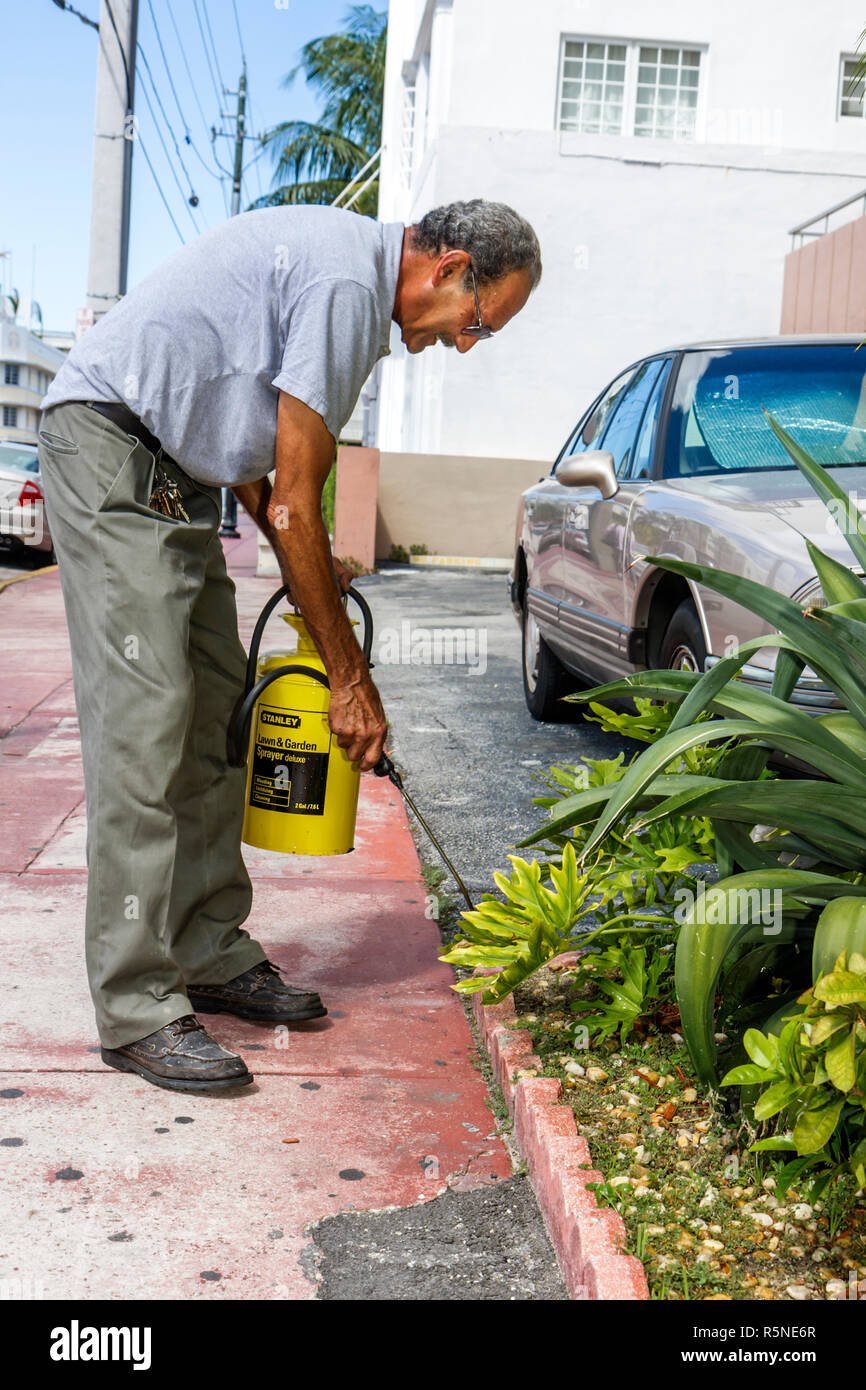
pixel 537 921
pixel 632 980
pixel 815 848
pixel 620 908
pixel 813 1077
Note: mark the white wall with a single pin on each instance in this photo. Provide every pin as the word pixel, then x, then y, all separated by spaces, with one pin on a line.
pixel 645 243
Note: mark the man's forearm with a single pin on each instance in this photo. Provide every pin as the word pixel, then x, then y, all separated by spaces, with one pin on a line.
pixel 254 498
pixel 303 552
pixel 296 541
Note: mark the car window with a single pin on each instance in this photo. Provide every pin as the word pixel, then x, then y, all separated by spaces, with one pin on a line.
pixel 587 438
pixel 25 459
pixel 718 423
pixel 641 459
pixel 618 435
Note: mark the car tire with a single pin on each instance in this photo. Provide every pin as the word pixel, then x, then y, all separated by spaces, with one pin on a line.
pixel 683 647
pixel 545 679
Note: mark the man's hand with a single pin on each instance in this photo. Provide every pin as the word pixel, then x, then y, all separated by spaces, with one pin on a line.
pixel 357 719
pixel 345 577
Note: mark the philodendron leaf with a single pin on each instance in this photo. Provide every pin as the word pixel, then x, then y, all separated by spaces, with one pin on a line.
pixel 814 1127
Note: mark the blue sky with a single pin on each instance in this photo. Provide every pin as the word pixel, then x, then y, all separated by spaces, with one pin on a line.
pixel 47 93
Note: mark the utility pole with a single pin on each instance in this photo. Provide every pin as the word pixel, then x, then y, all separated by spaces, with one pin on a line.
pixel 229 526
pixel 114 139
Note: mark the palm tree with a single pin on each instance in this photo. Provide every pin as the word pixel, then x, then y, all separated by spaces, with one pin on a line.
pixel 314 160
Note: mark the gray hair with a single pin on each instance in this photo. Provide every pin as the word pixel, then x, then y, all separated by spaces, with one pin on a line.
pixel 497 238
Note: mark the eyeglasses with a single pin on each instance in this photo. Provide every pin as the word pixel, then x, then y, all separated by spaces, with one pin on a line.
pixel 479 329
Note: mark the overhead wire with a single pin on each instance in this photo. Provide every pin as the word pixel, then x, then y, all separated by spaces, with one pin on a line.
pixel 224 173
pixel 184 121
pixel 213 46
pixel 217 92
pixel 166 151
pixel 159 190
pixel 240 35
pixel 110 68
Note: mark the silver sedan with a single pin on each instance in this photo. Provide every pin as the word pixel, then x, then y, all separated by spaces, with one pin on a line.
pixel 676 458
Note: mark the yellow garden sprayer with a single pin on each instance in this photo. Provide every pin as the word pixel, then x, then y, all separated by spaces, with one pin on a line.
pixel 302 790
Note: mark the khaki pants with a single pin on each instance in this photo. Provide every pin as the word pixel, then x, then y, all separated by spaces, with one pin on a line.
pixel 157 666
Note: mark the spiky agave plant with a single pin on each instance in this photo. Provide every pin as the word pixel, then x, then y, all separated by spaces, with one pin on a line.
pixel 822 820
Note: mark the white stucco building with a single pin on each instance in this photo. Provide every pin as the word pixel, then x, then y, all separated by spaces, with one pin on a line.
pixel 28 365
pixel 663 150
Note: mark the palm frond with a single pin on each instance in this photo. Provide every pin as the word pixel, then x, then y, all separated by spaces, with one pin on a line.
pixel 348 68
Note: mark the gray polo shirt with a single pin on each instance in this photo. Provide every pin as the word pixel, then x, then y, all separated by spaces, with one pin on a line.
pixel 294 299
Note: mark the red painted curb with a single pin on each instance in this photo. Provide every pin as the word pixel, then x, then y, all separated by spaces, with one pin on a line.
pixel 588 1239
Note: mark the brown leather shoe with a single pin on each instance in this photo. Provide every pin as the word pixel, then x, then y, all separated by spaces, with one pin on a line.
pixel 181 1057
pixel 257 994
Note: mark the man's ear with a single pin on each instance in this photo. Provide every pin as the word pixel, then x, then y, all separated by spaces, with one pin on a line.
pixel 449 265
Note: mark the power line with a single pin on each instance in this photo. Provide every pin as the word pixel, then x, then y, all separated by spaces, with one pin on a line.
pixel 240 35
pixel 184 121
pixel 183 195
pixel 159 190
pixel 168 123
pixel 213 46
pixel 224 174
pixel 217 92
pixel 182 48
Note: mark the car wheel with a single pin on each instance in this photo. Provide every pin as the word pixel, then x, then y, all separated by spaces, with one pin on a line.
pixel 683 647
pixel 545 679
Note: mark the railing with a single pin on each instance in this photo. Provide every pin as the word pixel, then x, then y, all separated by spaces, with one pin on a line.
pixel 804 229
pixel 373 160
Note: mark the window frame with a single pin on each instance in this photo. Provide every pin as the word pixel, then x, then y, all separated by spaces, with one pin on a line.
pixel 840 92
pixel 630 86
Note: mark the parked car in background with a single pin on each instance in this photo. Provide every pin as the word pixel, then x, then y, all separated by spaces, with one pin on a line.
pixel 22 507
pixel 676 458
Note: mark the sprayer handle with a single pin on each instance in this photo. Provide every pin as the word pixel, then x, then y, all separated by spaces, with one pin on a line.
pixel 385 768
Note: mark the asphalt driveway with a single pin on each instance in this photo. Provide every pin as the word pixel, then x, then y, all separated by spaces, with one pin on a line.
pixel 461 732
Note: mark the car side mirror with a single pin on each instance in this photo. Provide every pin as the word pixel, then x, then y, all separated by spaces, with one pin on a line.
pixel 594 468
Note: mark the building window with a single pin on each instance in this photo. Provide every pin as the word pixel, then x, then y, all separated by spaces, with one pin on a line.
pixel 609 88
pixel 593 87
pixel 10 416
pixel 667 92
pixel 10 373
pixel 850 91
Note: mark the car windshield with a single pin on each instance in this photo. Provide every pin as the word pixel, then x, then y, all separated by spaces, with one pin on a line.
pixel 817 392
pixel 27 460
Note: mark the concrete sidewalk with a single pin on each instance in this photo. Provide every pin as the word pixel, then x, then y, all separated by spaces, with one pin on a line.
pixel 113 1188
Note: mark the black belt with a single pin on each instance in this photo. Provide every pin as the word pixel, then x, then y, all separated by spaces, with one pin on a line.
pixel 121 415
